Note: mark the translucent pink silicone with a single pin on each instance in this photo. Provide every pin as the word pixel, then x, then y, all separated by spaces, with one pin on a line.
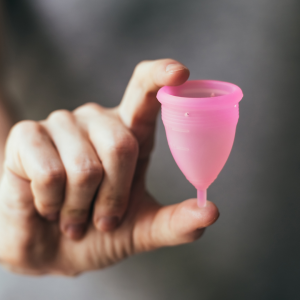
pixel 200 119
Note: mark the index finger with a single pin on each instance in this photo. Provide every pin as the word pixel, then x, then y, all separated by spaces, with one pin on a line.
pixel 139 106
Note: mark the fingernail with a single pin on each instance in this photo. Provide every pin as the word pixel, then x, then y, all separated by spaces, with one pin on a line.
pixel 107 223
pixel 172 68
pixel 75 231
pixel 52 217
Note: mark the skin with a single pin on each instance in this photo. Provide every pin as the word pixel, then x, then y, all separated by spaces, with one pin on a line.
pixel 72 193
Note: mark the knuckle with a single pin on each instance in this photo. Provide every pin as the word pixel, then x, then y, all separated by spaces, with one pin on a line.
pixel 48 207
pixel 125 145
pixel 60 116
pixel 115 203
pixel 87 172
pixel 88 108
pixel 50 176
pixel 90 105
pixel 141 66
pixel 75 213
pixel 23 128
pixel 85 178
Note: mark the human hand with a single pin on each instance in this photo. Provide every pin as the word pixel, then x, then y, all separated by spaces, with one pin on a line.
pixel 73 196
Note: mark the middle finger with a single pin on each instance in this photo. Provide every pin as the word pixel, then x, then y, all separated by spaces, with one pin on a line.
pixel 83 168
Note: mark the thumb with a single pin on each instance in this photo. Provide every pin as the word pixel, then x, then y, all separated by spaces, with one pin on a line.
pixel 139 106
pixel 180 223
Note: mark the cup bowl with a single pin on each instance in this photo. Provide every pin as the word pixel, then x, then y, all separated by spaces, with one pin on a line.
pixel 200 119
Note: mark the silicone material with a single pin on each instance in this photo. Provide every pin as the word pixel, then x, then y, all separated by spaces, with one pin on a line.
pixel 200 119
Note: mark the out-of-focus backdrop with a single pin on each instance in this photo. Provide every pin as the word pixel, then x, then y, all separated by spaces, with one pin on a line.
pixel 61 54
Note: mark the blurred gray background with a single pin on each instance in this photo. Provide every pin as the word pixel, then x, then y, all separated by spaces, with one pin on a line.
pixel 61 54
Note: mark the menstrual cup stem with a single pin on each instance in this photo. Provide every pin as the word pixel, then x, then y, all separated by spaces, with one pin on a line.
pixel 201 198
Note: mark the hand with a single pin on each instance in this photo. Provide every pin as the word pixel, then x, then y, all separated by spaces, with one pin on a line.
pixel 72 195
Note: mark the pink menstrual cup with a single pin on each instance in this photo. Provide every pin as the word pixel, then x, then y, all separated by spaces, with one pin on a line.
pixel 200 119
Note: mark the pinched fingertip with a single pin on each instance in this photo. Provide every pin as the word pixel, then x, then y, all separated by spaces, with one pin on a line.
pixel 203 216
pixel 188 219
pixel 170 72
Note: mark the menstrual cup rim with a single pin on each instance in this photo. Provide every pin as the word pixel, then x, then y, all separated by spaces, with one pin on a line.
pixel 225 100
